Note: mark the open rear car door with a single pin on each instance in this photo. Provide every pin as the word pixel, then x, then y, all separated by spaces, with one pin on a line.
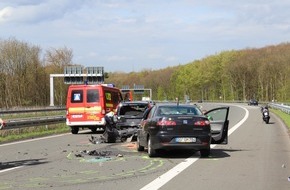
pixel 219 124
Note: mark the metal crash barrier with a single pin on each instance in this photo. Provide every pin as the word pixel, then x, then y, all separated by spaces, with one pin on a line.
pixel 282 107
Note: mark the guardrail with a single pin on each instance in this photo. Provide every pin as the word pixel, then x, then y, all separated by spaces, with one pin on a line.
pixel 30 122
pixel 282 107
pixel 12 111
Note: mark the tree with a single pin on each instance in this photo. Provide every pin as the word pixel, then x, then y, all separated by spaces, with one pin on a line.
pixel 57 59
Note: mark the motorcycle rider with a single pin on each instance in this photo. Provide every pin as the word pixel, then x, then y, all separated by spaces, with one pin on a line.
pixel 265 113
pixel 111 133
pixel 264 109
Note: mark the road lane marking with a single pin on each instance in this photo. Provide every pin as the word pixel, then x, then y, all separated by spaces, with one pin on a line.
pixel 165 178
pixel 37 139
pixel 6 170
pixel 31 140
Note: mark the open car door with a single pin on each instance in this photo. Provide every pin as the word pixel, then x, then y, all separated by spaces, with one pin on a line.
pixel 219 124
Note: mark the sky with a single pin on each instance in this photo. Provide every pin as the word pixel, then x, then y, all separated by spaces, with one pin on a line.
pixel 137 35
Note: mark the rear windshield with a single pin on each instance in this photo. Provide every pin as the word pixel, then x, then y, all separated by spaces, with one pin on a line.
pixel 93 95
pixel 178 110
pixel 133 109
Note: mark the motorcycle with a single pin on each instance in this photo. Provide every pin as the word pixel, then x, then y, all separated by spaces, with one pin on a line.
pixel 266 115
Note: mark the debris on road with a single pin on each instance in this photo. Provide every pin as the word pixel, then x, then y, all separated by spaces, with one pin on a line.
pixel 83 153
pixel 119 155
pixel 283 166
pixel 97 154
pixel 78 155
pixel 113 137
pixel 97 140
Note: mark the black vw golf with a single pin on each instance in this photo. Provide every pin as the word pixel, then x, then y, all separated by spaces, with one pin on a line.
pixel 176 126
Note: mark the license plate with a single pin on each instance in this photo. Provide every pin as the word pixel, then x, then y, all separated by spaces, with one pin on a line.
pixel 185 140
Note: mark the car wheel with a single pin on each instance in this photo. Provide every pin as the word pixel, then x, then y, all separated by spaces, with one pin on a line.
pixel 94 130
pixel 139 147
pixel 151 150
pixel 74 130
pixel 205 153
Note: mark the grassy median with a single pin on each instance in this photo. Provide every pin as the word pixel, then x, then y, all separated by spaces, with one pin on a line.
pixel 32 132
pixel 284 116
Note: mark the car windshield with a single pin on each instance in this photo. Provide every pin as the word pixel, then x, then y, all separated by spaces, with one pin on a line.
pixel 178 110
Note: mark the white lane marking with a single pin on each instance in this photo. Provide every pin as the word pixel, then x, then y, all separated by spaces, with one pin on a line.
pixel 36 139
pixel 24 141
pixel 163 179
pixel 30 140
pixel 231 130
pixel 6 170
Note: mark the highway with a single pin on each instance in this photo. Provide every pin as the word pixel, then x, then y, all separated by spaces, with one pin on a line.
pixel 257 157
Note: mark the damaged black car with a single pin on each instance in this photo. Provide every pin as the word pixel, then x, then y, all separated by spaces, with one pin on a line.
pixel 129 115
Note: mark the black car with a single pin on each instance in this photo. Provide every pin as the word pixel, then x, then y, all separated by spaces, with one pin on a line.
pixel 253 102
pixel 172 126
pixel 129 114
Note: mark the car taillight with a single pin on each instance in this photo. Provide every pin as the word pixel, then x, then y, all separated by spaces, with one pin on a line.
pixel 166 123
pixel 202 123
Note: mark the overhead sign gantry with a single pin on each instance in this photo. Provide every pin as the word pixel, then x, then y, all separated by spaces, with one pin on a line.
pixel 137 89
pixel 78 75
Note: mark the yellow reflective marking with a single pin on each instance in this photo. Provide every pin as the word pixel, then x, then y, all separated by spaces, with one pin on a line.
pixel 108 96
pixel 93 117
pixel 76 110
pixel 108 105
pixel 95 109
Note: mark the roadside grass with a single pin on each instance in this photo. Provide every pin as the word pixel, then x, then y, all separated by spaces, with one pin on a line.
pixel 32 132
pixel 284 116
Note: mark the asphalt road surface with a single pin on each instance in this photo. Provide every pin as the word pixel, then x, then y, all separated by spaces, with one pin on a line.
pixel 257 157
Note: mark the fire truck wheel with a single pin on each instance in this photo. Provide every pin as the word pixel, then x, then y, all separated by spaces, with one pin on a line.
pixel 74 130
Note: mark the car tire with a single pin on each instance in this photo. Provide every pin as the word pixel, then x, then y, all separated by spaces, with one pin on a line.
pixel 74 130
pixel 205 153
pixel 151 151
pixel 139 147
pixel 94 130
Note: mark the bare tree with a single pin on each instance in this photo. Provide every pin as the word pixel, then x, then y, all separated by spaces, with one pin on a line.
pixel 57 59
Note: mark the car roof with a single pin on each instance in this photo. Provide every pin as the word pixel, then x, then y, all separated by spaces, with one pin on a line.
pixel 175 104
pixel 135 103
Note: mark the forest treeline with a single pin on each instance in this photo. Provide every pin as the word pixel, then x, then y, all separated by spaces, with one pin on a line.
pixel 261 73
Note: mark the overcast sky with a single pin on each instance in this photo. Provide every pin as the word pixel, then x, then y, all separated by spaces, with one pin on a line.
pixel 133 35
